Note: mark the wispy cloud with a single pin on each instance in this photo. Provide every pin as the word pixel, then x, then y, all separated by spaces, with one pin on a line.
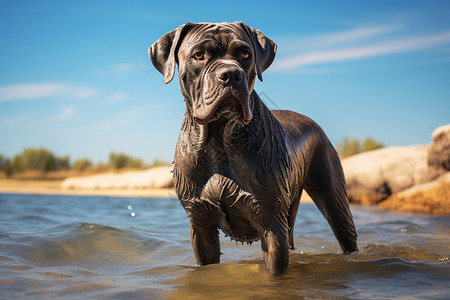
pixel 66 112
pixel 397 45
pixel 119 96
pixel 325 40
pixel 122 69
pixel 28 91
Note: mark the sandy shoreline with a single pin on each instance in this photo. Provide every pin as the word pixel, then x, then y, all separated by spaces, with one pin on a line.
pixel 53 187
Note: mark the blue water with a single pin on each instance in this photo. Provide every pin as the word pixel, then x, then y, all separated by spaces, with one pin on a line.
pixel 76 247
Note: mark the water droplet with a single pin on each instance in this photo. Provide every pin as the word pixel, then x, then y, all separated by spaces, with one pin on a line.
pixel 133 214
pixel 130 207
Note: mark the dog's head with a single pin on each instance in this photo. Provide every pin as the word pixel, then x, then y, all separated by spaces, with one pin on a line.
pixel 218 64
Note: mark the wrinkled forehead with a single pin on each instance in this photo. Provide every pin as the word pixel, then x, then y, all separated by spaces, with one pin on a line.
pixel 223 35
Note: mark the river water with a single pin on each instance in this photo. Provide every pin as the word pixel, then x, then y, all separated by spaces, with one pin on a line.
pixel 76 247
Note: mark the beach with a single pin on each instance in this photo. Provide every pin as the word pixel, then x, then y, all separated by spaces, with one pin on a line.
pixel 54 187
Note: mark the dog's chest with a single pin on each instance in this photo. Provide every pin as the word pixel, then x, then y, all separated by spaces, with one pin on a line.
pixel 237 208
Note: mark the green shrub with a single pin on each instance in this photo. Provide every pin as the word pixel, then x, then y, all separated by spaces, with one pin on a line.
pixel 82 165
pixel 121 160
pixel 39 159
pixel 349 147
pixel 371 144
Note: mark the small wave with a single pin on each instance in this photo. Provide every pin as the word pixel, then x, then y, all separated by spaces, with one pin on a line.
pixel 87 244
pixel 372 251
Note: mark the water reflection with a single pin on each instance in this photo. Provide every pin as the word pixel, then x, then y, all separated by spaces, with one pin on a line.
pixel 91 247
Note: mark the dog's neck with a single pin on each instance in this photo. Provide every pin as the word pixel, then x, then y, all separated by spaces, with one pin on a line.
pixel 227 135
pixel 256 152
pixel 200 134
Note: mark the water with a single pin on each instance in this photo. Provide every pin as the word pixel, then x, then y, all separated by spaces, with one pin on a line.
pixel 138 248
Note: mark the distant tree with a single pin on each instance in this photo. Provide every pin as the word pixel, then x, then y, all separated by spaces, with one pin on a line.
pixel 39 159
pixel 121 160
pixel 101 167
pixel 82 165
pixel 7 167
pixel 371 144
pixel 63 163
pixel 34 159
pixel 349 147
pixel 2 162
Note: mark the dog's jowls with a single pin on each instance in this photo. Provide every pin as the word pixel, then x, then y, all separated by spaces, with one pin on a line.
pixel 238 166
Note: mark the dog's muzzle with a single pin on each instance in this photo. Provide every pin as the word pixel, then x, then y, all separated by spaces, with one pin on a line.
pixel 224 94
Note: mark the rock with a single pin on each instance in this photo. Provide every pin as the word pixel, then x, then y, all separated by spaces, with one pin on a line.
pixel 432 198
pixel 439 152
pixel 374 175
pixel 158 177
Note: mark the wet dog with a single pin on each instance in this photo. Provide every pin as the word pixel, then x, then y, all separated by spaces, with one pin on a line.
pixel 238 166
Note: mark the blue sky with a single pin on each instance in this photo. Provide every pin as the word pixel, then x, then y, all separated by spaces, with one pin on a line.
pixel 76 79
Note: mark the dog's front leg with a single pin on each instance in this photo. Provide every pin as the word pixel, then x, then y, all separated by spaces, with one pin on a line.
pixel 274 244
pixel 206 245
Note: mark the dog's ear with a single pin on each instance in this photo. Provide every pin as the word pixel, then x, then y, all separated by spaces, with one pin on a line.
pixel 163 53
pixel 265 49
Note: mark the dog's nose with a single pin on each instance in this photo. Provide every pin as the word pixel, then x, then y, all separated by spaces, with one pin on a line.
pixel 231 73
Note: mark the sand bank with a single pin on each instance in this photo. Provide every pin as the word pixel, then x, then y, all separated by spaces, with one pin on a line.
pixel 54 187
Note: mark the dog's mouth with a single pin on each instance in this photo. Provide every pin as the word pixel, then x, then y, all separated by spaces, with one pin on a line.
pixel 229 107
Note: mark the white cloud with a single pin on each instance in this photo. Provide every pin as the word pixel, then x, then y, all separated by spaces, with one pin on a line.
pixel 28 91
pixel 66 112
pixel 119 96
pixel 125 67
pixel 80 92
pixel 324 40
pixel 352 53
pixel 121 69
pixel 355 35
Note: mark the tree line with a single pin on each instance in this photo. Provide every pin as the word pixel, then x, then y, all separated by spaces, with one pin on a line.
pixel 348 147
pixel 43 160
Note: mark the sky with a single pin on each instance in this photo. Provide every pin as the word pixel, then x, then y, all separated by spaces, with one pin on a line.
pixel 75 77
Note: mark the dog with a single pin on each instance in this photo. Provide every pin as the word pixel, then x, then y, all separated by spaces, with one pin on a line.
pixel 238 166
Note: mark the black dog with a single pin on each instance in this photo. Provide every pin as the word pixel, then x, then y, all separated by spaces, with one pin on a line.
pixel 238 166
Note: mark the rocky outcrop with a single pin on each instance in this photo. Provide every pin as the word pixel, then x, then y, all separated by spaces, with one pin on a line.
pixel 432 198
pixel 375 175
pixel 403 178
pixel 154 178
pixel 439 152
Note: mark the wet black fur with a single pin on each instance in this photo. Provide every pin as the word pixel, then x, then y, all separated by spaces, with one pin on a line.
pixel 247 179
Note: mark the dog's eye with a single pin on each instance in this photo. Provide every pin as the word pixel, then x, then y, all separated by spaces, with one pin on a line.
pixel 199 55
pixel 245 55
